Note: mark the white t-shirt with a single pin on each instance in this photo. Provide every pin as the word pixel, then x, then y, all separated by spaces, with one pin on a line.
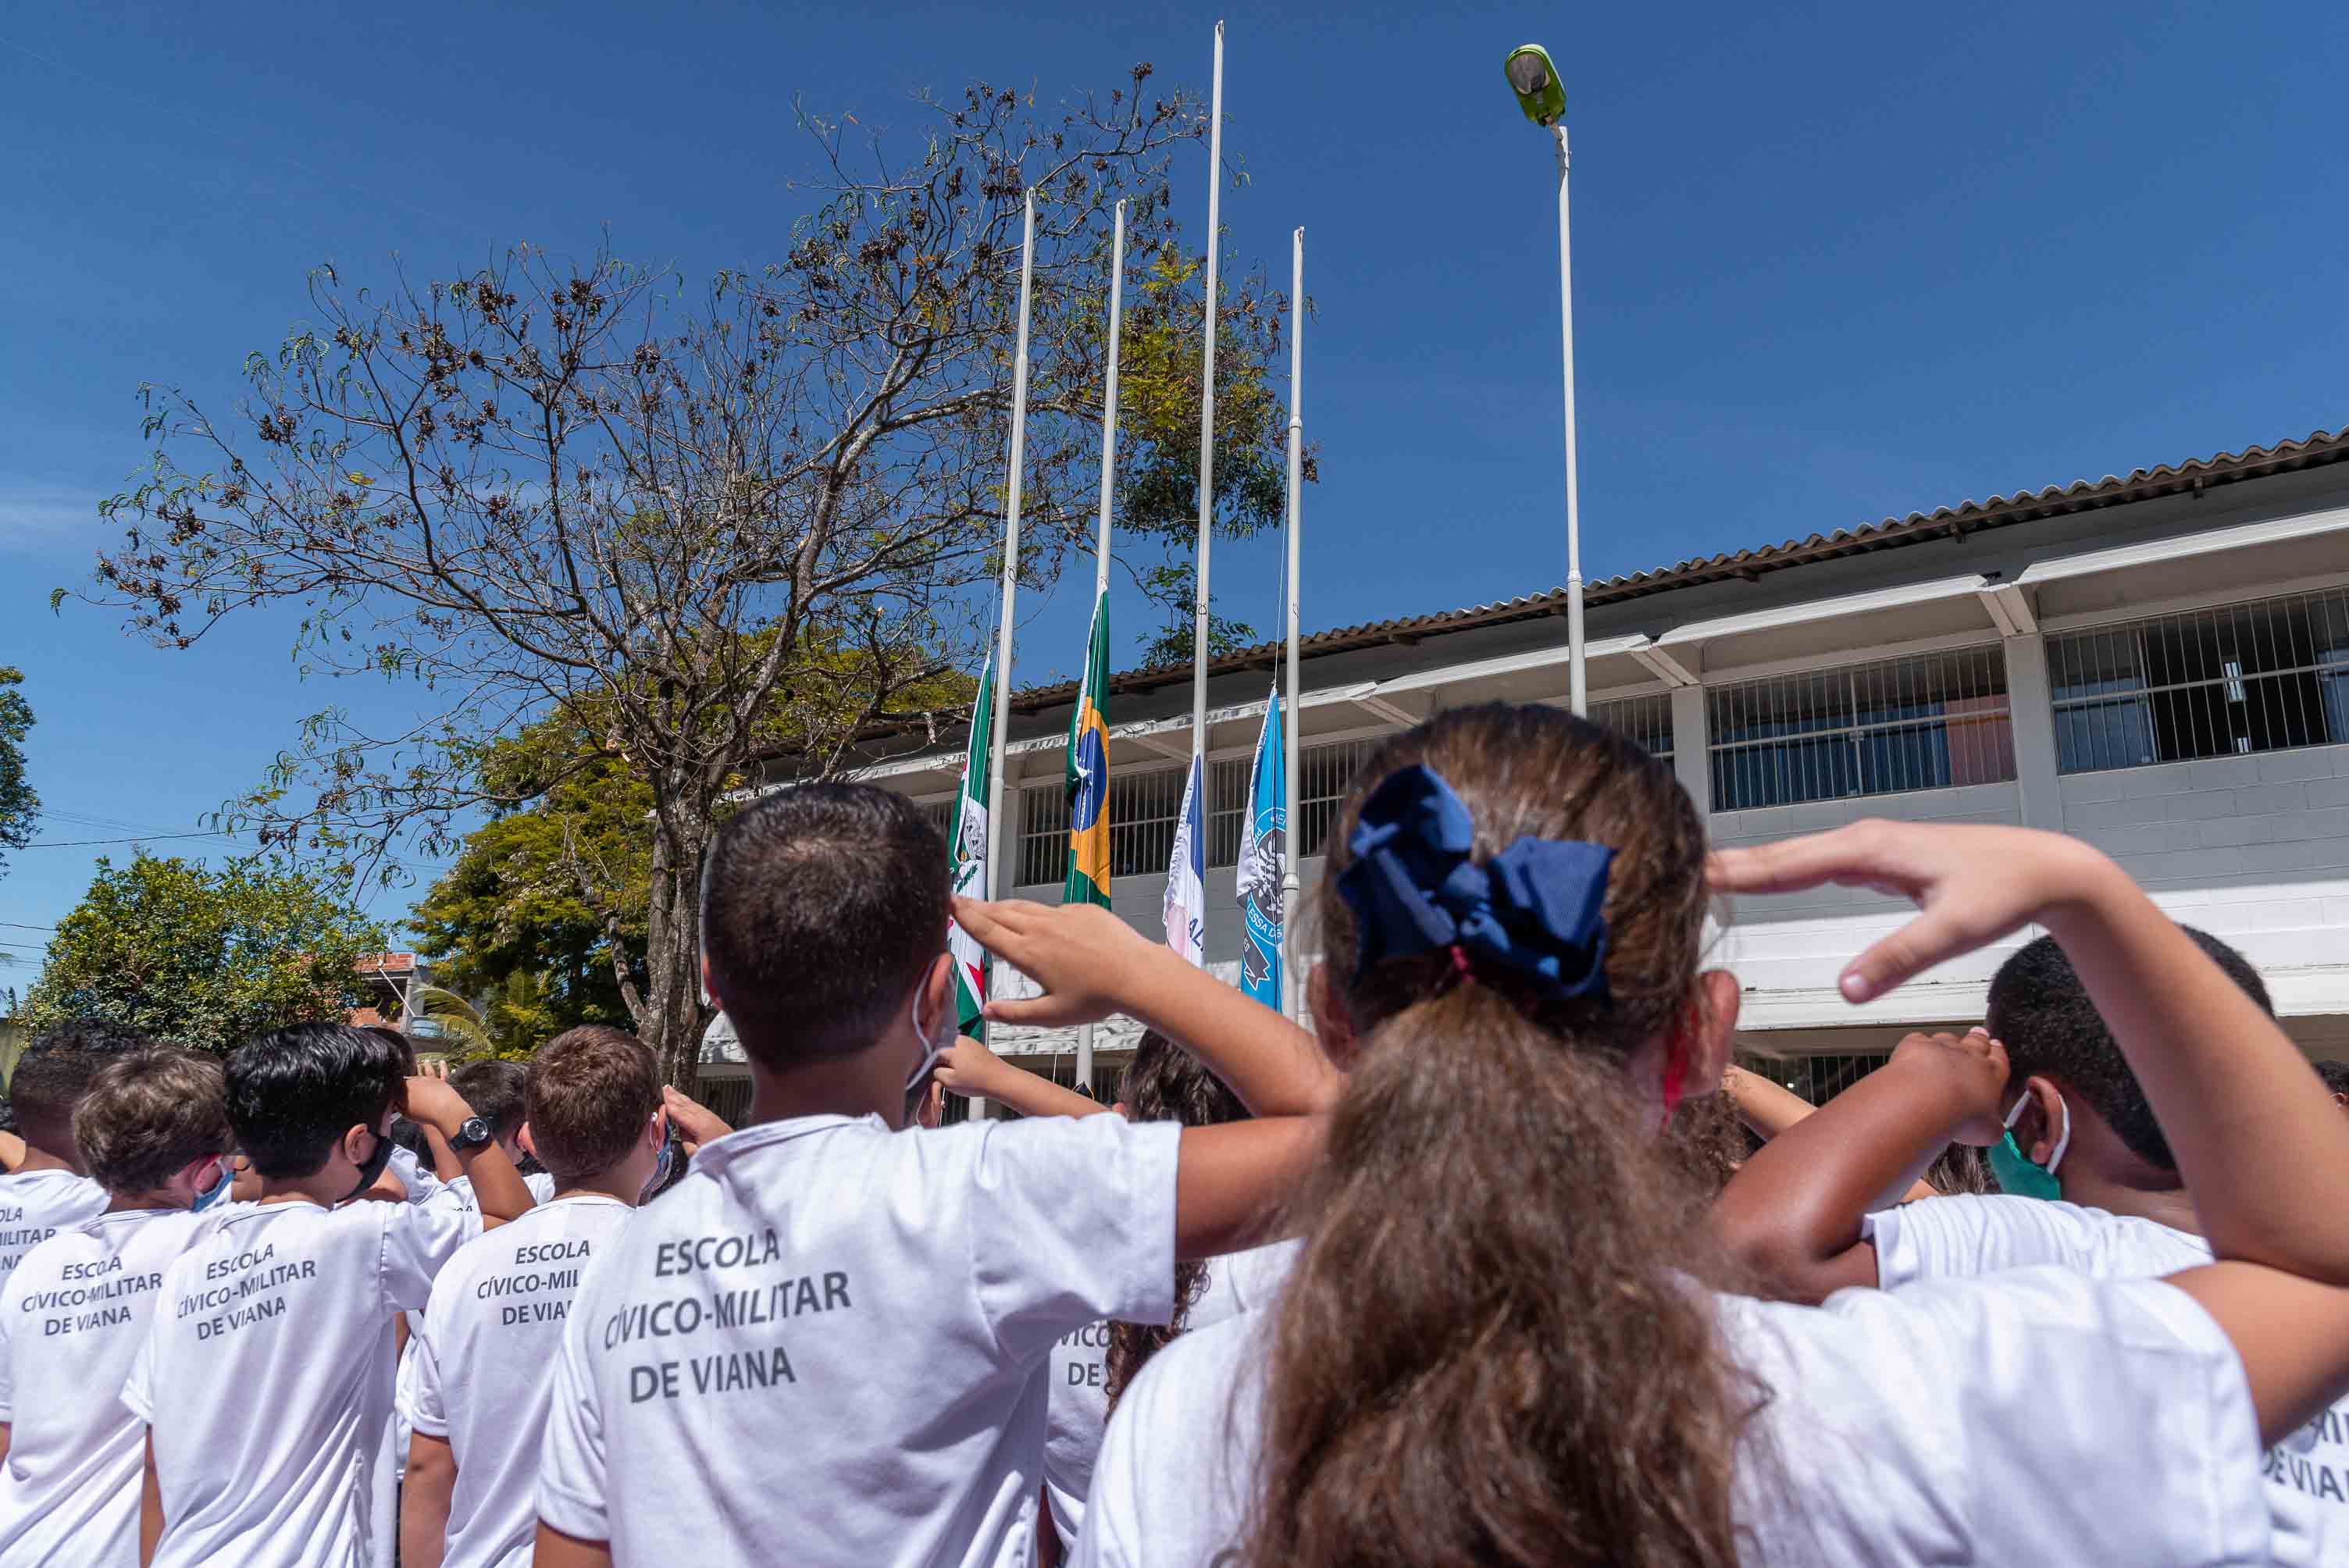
pixel 266 1377
pixel 37 1204
pixel 72 1319
pixel 824 1345
pixel 1079 1406
pixel 1954 1237
pixel 2041 1417
pixel 482 1368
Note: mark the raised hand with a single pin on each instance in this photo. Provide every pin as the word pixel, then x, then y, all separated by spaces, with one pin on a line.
pixel 1971 885
pixel 1086 959
pixel 696 1123
pixel 1972 1067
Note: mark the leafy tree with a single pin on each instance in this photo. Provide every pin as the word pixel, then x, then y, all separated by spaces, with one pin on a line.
pixel 18 804
pixel 203 958
pixel 716 534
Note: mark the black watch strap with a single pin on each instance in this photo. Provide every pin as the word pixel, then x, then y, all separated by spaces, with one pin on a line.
pixel 474 1134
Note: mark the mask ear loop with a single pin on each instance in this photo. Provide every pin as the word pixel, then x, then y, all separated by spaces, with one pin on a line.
pixel 2062 1139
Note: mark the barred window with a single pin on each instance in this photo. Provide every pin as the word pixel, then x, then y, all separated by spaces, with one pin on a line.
pixel 1326 775
pixel 1143 808
pixel 1044 835
pixel 1931 722
pixel 1817 1080
pixel 1228 788
pixel 941 814
pixel 2266 675
pixel 1646 719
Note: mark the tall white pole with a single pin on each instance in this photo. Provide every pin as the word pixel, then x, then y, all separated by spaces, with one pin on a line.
pixel 1207 434
pixel 1578 686
pixel 995 835
pixel 1109 480
pixel 1291 883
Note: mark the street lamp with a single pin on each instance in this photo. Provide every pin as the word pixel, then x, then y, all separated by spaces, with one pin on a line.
pixel 1533 78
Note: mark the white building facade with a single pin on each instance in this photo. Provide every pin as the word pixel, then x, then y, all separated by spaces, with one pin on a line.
pixel 2157 664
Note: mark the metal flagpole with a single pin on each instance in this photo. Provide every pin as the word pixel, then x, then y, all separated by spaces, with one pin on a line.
pixel 1207 435
pixel 1010 573
pixel 1109 479
pixel 1291 884
pixel 1578 686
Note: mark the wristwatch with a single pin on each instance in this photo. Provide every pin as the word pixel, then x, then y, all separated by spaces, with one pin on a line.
pixel 474 1134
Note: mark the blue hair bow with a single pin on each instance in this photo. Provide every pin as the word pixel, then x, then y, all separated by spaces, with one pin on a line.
pixel 1536 909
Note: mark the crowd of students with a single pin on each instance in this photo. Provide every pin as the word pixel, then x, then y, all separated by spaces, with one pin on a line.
pixel 1481 1269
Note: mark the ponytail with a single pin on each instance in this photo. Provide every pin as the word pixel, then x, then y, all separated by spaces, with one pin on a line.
pixel 1499 1345
pixel 1490 1351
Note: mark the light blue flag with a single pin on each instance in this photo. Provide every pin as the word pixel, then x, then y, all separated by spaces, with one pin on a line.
pixel 1264 862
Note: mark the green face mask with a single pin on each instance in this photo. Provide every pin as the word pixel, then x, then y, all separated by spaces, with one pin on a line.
pixel 2018 1176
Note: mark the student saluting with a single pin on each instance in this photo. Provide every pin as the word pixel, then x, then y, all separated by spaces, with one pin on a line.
pixel 265 1380
pixel 482 1361
pixel 153 1129
pixel 1498 1346
pixel 821 1347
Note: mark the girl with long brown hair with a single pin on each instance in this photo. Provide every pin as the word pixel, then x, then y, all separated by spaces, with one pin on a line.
pixel 1506 1341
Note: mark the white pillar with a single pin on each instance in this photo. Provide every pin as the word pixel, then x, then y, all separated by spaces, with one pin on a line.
pixel 2027 696
pixel 1692 747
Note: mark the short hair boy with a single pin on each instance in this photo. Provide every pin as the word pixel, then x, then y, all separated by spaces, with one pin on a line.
pixel 2089 1183
pixel 265 1378
pixel 51 1189
pixel 153 1129
pixel 864 1313
pixel 496 1088
pixel 484 1353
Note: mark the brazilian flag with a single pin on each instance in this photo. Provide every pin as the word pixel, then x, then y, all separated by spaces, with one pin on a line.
pixel 1089 774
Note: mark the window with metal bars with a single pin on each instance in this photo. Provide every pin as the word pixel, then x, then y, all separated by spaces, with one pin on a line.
pixel 2266 675
pixel 1325 774
pixel 1931 722
pixel 941 814
pixel 1817 1080
pixel 1143 808
pixel 1044 834
pixel 1646 719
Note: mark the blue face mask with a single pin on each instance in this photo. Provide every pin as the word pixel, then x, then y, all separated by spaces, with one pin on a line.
pixel 2018 1176
pixel 661 1171
pixel 218 1190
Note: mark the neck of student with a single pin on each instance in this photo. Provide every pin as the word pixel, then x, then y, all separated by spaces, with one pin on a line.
pixel 39 1159
pixel 133 1202
pixel 610 1184
pixel 859 1085
pixel 325 1189
pixel 2165 1204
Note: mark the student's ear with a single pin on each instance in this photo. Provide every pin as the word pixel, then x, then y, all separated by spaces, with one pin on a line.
pixel 1331 1027
pixel 937 987
pixel 522 1139
pixel 1709 1031
pixel 2041 1122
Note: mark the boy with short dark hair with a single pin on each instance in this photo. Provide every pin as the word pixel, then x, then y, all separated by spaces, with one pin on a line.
pixel 2087 1182
pixel 496 1089
pixel 483 1354
pixel 265 1378
pixel 153 1129
pixel 50 1187
pixel 822 1346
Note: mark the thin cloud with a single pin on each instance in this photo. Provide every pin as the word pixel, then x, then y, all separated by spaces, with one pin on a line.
pixel 41 517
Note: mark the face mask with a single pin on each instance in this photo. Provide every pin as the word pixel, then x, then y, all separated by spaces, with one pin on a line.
pixel 372 1168
pixel 931 1049
pixel 2017 1175
pixel 661 1171
pixel 218 1190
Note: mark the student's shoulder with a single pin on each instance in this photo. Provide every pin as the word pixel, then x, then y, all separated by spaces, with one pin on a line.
pixel 1200 1374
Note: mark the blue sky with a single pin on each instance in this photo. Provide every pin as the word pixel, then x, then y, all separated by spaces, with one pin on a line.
pixel 1833 262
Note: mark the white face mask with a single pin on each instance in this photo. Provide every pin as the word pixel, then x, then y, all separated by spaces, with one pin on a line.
pixel 2062 1139
pixel 932 1049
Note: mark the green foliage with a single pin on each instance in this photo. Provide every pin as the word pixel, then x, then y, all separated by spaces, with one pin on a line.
pixel 543 901
pixel 203 958
pixel 18 804
pixel 1159 397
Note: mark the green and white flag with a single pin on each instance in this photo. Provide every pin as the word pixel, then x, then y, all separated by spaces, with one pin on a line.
pixel 967 857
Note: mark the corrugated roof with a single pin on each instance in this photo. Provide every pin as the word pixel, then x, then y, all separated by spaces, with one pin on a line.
pixel 1944 523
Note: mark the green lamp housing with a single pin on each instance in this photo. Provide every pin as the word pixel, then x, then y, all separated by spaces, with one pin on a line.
pixel 1535 81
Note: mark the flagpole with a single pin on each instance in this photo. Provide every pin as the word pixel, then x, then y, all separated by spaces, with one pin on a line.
pixel 1010 572
pixel 1291 884
pixel 1109 476
pixel 1207 429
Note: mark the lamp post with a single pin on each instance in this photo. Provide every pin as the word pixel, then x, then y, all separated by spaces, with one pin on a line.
pixel 1534 79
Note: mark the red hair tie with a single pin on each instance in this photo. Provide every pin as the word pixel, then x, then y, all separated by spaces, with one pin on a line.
pixel 1460 962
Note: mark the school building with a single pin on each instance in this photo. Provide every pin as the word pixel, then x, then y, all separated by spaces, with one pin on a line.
pixel 2158 664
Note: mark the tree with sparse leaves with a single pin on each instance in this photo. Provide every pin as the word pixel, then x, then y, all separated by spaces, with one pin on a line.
pixel 18 804
pixel 719 533
pixel 205 957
